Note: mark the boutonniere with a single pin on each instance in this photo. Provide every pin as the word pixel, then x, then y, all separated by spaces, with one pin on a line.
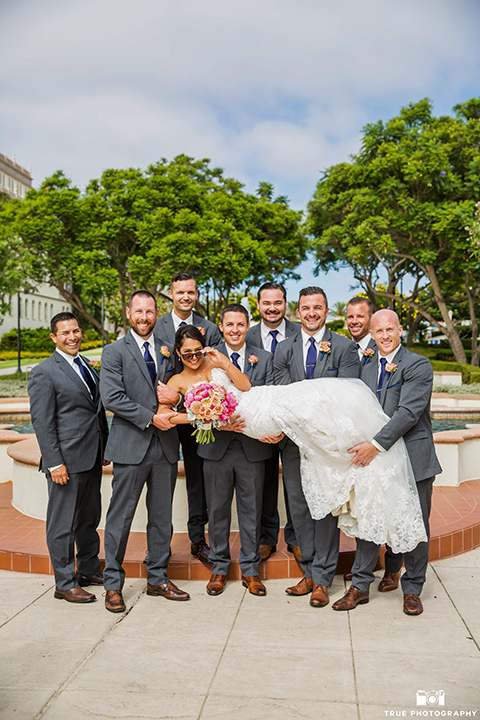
pixel 252 361
pixel 390 367
pixel 368 353
pixel 324 347
pixel 94 364
pixel 200 329
pixel 165 353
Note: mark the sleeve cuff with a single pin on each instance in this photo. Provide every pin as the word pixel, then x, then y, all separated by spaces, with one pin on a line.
pixel 378 446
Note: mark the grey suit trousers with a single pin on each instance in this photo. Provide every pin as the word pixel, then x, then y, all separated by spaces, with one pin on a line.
pixel 73 514
pixel 319 540
pixel 416 561
pixel 128 481
pixel 234 471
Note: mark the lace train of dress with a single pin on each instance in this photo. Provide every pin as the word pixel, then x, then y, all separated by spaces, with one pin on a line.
pixel 324 418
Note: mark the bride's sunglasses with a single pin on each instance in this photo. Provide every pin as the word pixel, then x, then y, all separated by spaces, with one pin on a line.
pixel 192 355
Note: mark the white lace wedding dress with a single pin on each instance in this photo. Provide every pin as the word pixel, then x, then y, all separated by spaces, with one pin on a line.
pixel 324 418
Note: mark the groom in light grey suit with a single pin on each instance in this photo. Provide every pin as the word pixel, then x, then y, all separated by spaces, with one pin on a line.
pixel 402 381
pixel 315 352
pixel 235 461
pixel 143 446
pixel 71 430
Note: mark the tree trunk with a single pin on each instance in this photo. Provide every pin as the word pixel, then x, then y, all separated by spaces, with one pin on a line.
pixel 449 327
pixel 78 306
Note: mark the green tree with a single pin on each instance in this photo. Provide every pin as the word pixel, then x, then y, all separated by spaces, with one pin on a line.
pixel 15 261
pixel 400 208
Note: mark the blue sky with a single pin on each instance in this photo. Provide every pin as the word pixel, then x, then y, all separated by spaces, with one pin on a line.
pixel 270 90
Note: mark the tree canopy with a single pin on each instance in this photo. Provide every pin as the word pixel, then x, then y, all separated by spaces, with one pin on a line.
pixel 401 208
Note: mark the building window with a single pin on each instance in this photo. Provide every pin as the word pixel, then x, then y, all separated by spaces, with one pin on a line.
pixel 26 309
pixel 33 309
pixel 46 312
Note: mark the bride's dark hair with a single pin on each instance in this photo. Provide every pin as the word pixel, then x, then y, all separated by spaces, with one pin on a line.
pixel 188 332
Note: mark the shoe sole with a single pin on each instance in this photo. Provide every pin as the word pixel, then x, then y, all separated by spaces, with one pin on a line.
pixel 317 605
pixel 116 609
pixel 416 612
pixel 74 602
pixel 213 594
pixel 389 589
pixel 154 593
pixel 257 594
pixel 298 594
pixel 360 602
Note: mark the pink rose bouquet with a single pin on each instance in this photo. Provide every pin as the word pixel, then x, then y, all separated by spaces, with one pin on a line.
pixel 208 406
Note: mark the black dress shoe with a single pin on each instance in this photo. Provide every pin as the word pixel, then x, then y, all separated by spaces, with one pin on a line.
pixel 200 551
pixel 74 595
pixel 84 580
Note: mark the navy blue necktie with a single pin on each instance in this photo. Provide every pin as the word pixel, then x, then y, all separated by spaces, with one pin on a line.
pixel 182 323
pixel 381 379
pixel 311 359
pixel 234 358
pixel 86 375
pixel 150 363
pixel 274 344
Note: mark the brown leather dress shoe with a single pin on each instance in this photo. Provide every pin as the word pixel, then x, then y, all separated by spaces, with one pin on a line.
pixel 114 601
pixel 84 580
pixel 74 595
pixel 351 599
pixel 412 605
pixel 389 582
pixel 167 590
pixel 216 584
pixel 295 550
pixel 303 587
pixel 254 585
pixel 265 551
pixel 319 596
pixel 200 551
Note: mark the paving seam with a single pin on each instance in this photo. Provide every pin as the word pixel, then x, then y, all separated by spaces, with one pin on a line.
pixel 354 671
pixel 82 662
pixel 470 634
pixel 221 656
pixel 27 606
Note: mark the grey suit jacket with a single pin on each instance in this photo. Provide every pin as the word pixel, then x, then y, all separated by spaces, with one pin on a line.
pixel 259 374
pixel 254 334
pixel 165 329
pixel 405 398
pixel 127 390
pixel 70 425
pixel 342 361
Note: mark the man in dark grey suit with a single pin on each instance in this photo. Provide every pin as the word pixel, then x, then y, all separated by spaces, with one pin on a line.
pixel 267 334
pixel 143 446
pixel 403 382
pixel 71 429
pixel 184 294
pixel 315 352
pixel 235 461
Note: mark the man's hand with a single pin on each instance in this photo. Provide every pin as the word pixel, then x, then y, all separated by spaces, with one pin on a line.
pixel 272 439
pixel 235 424
pixel 165 395
pixel 364 453
pixel 162 420
pixel 60 475
pixel 105 462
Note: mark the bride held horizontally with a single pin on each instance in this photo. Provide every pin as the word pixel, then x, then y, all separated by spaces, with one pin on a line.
pixel 324 417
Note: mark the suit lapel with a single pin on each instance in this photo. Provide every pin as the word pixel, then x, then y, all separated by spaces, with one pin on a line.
pixel 70 372
pixel 321 363
pixel 138 357
pixel 392 377
pixel 370 373
pixel 298 362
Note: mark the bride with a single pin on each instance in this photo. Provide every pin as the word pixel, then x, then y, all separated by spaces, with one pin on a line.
pixel 324 418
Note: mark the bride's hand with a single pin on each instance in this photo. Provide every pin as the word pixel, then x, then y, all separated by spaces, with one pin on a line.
pixel 218 359
pixel 272 439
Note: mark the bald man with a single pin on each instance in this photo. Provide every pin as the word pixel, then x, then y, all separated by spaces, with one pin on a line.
pixel 402 381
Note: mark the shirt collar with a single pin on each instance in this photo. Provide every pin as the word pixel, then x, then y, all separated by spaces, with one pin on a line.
pixel 281 329
pixel 389 357
pixel 318 336
pixel 66 356
pixel 177 320
pixel 141 341
pixel 364 341
pixel 241 353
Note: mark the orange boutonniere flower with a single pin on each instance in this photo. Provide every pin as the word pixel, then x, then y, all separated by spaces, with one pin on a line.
pixel 164 352
pixel 390 367
pixel 325 347
pixel 368 352
pixel 252 360
pixel 201 329
pixel 94 364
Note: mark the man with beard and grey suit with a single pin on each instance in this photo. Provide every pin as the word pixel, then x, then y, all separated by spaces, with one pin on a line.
pixel 71 428
pixel 143 446
pixel 315 352
pixel 402 381
pixel 267 334
pixel 184 294
pixel 235 461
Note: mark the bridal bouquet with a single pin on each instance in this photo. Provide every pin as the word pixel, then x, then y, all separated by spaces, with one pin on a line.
pixel 208 406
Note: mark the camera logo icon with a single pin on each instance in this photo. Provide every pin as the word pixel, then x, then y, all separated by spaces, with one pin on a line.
pixel 430 697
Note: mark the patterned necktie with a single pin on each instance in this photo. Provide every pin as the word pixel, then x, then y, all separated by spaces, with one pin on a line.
pixel 311 359
pixel 234 358
pixel 274 344
pixel 150 363
pixel 86 375
pixel 381 379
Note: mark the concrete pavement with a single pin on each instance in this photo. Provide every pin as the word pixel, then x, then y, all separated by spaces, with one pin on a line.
pixel 238 657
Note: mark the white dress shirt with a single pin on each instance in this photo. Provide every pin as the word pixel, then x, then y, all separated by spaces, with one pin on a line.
pixel 306 341
pixel 389 359
pixel 177 321
pixel 267 338
pixel 141 342
pixel 363 345
pixel 241 358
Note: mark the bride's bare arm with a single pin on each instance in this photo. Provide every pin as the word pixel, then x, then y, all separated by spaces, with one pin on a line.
pixel 218 359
